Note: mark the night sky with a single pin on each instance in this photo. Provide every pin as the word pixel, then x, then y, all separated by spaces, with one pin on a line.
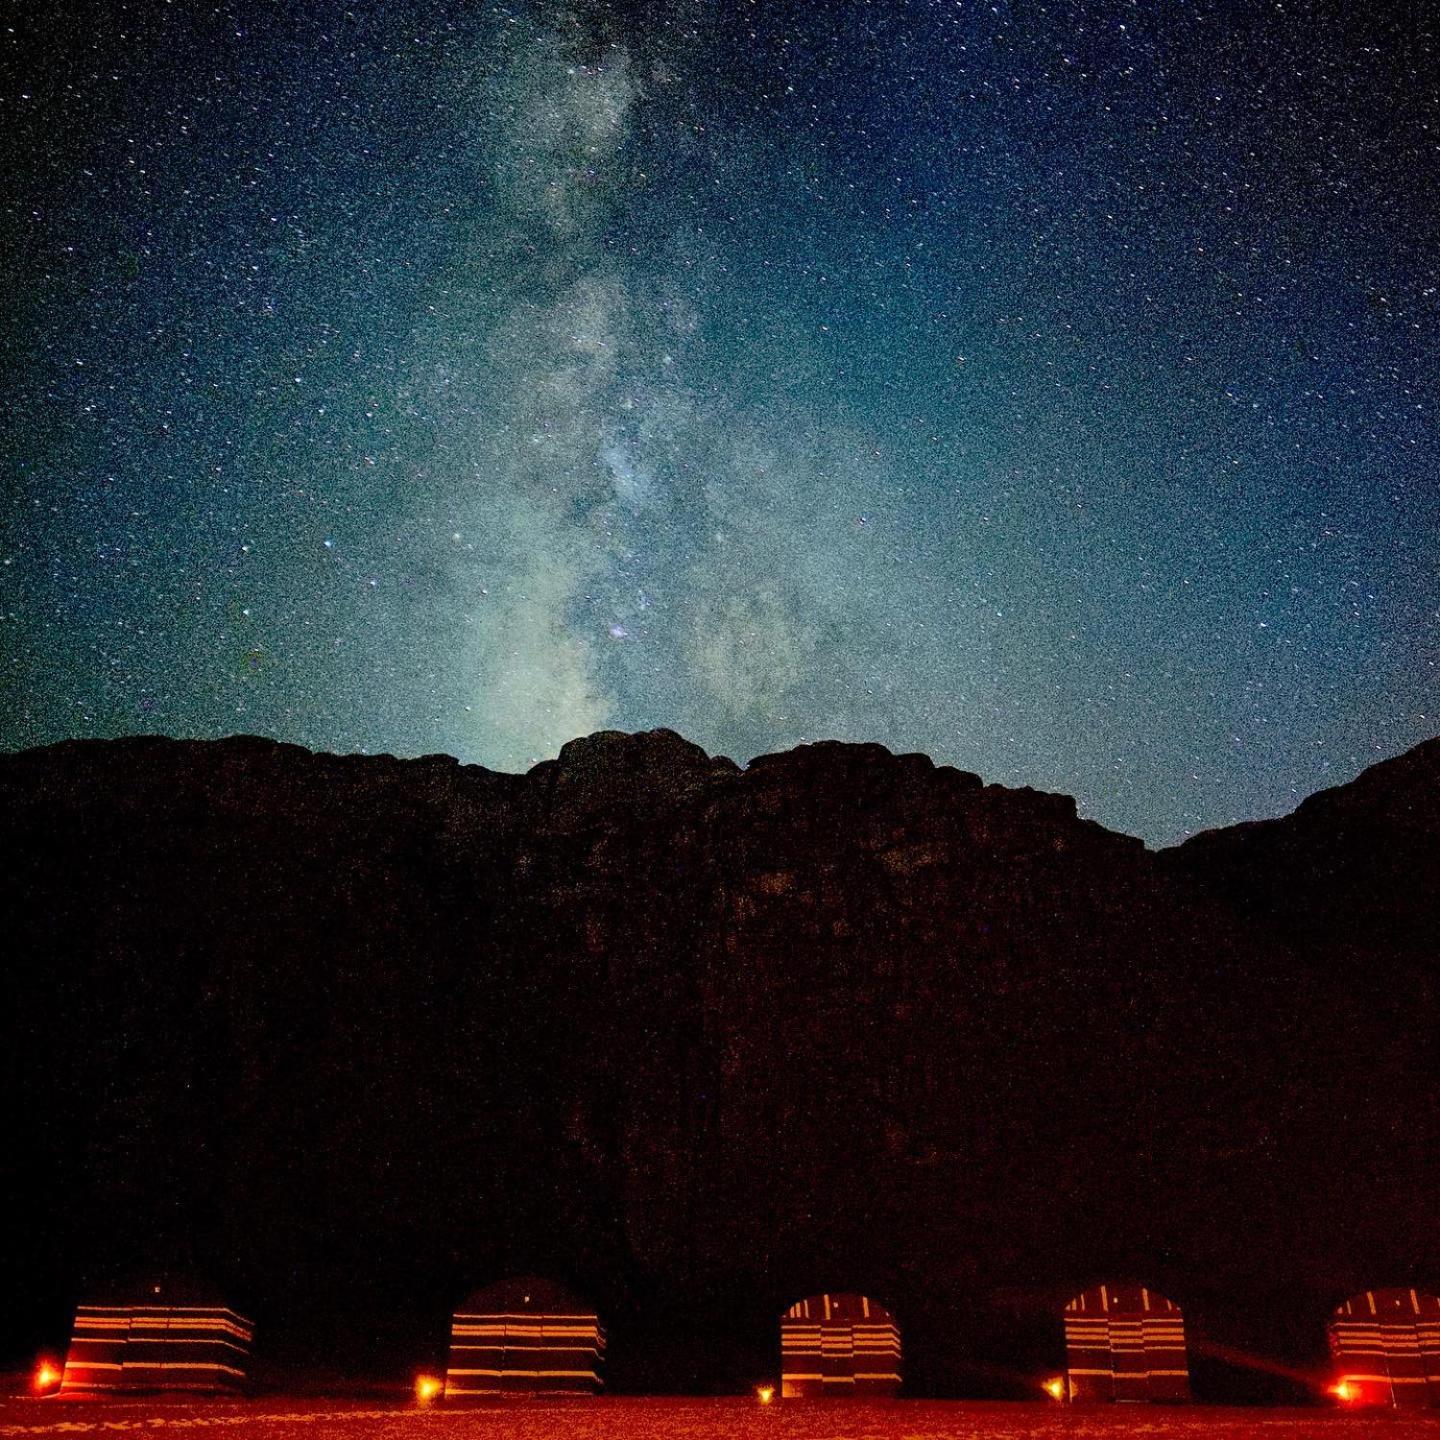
pixel 1050 388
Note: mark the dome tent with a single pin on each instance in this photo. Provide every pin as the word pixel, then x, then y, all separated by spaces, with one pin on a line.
pixel 1125 1342
pixel 839 1345
pixel 1386 1345
pixel 524 1335
pixel 157 1333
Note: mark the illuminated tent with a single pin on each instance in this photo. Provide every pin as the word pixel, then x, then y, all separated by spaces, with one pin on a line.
pixel 839 1345
pixel 1124 1342
pixel 1386 1345
pixel 524 1335
pixel 157 1335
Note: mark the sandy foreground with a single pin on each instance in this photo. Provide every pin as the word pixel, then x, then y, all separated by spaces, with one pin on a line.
pixel 658 1419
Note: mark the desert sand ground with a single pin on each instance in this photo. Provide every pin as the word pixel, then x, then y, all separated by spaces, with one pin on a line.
pixel 680 1419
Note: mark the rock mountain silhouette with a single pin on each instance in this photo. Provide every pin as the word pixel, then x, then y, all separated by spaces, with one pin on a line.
pixel 352 1035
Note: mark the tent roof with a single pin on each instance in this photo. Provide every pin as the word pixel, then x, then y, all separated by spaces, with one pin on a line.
pixel 1397 1305
pixel 1124 1298
pixel 522 1293
pixel 161 1287
pixel 845 1305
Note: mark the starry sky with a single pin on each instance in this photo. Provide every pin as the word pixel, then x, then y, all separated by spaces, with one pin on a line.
pixel 1047 387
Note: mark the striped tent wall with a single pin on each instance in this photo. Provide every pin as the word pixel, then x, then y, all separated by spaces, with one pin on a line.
pixel 129 1348
pixel 1386 1344
pixel 839 1345
pixel 524 1335
pixel 1125 1342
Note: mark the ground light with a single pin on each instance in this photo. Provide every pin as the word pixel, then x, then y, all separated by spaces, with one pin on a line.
pixel 764 1393
pixel 1345 1391
pixel 428 1388
pixel 1055 1387
pixel 46 1378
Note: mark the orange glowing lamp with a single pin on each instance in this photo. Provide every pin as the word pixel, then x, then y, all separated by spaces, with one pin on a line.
pixel 1345 1391
pixel 764 1393
pixel 46 1378
pixel 1055 1387
pixel 428 1388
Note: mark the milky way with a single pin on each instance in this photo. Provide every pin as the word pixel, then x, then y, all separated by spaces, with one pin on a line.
pixel 1050 389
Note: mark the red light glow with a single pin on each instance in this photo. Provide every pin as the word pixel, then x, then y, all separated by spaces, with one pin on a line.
pixel 428 1388
pixel 1055 1387
pixel 765 1394
pixel 1345 1392
pixel 46 1377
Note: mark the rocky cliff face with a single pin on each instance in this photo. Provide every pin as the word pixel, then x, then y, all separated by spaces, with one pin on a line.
pixel 1356 866
pixel 354 1034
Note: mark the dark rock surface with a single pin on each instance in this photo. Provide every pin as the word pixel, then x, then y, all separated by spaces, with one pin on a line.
pixel 1358 865
pixel 353 1035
